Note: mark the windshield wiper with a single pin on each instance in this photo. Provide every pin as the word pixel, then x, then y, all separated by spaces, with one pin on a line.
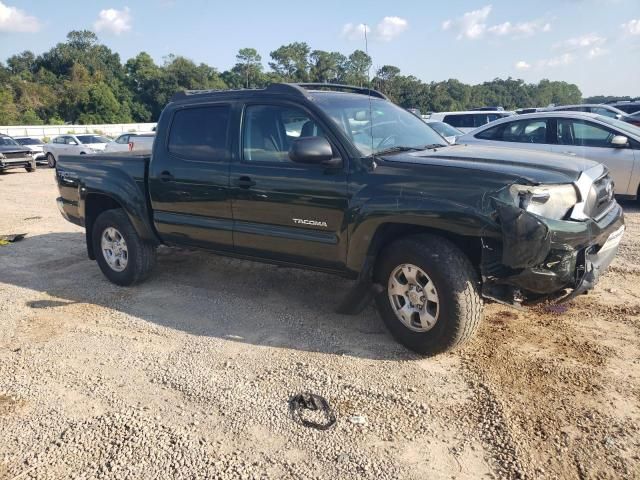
pixel 396 149
pixel 433 145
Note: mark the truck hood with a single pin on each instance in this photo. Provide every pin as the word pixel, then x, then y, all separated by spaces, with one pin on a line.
pixel 14 149
pixel 535 166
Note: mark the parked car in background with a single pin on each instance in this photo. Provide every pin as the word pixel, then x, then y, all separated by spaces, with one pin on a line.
pixel 634 119
pixel 142 143
pixel 627 106
pixel 35 145
pixel 444 129
pixel 74 145
pixel 522 111
pixel 123 143
pixel 599 109
pixel 606 140
pixel 14 155
pixel 469 120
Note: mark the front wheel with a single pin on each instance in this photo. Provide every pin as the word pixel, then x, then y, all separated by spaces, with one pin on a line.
pixel 430 302
pixel 123 257
pixel 51 160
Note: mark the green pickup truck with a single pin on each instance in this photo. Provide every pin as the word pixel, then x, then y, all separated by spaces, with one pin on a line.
pixel 341 180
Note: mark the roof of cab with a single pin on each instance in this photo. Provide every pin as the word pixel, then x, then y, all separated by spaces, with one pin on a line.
pixel 302 90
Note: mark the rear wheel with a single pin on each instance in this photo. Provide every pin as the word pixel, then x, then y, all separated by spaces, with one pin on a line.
pixel 51 160
pixel 123 257
pixel 430 302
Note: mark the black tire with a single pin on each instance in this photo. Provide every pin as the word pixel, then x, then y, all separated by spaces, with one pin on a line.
pixel 51 160
pixel 460 307
pixel 31 168
pixel 141 256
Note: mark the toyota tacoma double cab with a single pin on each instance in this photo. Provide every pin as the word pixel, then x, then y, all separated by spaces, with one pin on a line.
pixel 341 180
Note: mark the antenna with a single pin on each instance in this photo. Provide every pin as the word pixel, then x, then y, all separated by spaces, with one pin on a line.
pixel 366 50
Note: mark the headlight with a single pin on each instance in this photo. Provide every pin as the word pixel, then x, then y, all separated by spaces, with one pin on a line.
pixel 549 201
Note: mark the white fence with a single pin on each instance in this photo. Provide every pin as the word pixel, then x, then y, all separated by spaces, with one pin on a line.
pixel 50 131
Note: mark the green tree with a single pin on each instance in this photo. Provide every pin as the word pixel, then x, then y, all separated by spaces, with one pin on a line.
pixel 357 68
pixel 248 66
pixel 291 62
pixel 326 66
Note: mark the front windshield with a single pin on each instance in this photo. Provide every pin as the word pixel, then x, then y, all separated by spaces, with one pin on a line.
pixel 620 125
pixel 8 141
pixel 92 139
pixel 445 129
pixel 29 141
pixel 375 125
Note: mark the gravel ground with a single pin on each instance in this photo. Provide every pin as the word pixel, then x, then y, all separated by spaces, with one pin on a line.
pixel 189 374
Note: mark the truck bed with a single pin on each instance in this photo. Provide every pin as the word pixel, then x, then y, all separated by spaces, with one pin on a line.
pixel 120 175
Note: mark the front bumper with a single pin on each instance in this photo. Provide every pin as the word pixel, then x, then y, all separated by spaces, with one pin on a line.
pixel 569 259
pixel 7 164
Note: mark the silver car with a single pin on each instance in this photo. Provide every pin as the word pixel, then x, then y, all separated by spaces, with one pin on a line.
pixel 607 140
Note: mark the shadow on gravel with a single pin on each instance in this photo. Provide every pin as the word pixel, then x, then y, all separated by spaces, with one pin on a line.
pixel 204 294
pixel 630 206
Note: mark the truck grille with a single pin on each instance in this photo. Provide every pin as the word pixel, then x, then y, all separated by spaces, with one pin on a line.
pixel 14 155
pixel 601 198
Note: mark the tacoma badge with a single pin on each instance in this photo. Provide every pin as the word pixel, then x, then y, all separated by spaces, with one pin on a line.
pixel 310 222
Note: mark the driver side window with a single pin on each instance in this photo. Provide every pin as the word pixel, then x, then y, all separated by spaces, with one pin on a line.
pixel 269 131
pixel 583 134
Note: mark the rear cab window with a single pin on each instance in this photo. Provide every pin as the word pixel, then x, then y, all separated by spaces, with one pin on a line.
pixel 200 133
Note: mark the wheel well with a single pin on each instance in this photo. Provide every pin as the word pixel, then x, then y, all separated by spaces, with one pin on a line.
pixel 388 233
pixel 94 205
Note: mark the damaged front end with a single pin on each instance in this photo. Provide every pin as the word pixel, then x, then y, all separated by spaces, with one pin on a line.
pixel 554 241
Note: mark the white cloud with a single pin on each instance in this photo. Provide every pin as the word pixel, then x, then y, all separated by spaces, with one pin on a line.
pixel 590 46
pixel 632 28
pixel 559 61
pixel 473 25
pixel 13 19
pixel 522 29
pixel 596 52
pixel 522 65
pixel 387 29
pixel 355 32
pixel 113 21
pixel 589 40
pixel 391 27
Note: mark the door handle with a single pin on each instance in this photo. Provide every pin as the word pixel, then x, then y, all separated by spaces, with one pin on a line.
pixel 166 176
pixel 244 182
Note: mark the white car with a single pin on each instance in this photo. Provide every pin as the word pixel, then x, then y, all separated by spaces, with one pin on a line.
pixel 142 143
pixel 470 120
pixel 126 141
pixel 84 144
pixel 35 145
pixel 445 130
pixel 605 140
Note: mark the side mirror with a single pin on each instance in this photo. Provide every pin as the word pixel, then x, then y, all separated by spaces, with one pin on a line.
pixel 311 150
pixel 619 141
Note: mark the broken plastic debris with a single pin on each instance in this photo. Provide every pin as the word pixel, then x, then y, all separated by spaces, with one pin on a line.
pixel 315 403
pixel 7 239
pixel 358 419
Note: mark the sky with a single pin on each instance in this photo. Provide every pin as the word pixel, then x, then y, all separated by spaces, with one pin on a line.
pixel 593 43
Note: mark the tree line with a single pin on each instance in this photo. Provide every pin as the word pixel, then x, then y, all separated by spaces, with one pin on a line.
pixel 82 81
